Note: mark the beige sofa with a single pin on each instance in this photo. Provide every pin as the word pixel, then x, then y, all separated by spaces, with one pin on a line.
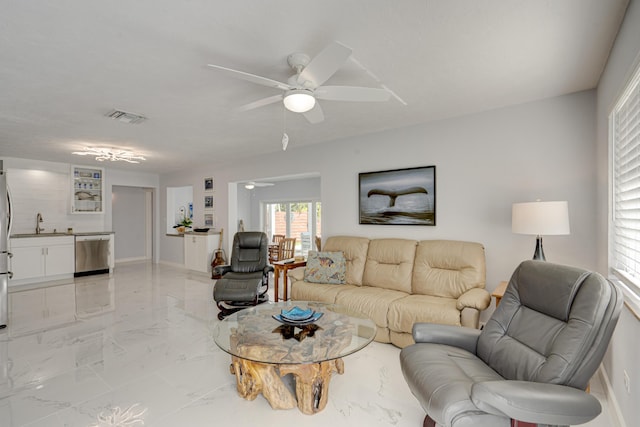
pixel 398 282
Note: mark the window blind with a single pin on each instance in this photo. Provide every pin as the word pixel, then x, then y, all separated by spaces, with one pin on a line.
pixel 625 133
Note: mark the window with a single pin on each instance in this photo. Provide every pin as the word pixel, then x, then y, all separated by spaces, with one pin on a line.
pixel 624 124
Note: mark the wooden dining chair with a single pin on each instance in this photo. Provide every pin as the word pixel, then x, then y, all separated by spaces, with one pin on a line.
pixel 286 248
pixel 274 247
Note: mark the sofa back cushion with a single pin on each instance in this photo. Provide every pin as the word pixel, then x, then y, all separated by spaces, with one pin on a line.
pixel 355 254
pixel 389 264
pixel 448 268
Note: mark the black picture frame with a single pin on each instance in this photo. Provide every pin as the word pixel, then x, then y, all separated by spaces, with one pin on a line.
pixel 398 196
pixel 208 184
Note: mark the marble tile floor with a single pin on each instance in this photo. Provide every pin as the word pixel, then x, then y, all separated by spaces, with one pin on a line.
pixel 140 352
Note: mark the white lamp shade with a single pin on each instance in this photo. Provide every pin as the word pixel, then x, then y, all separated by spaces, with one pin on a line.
pixel 540 218
pixel 299 101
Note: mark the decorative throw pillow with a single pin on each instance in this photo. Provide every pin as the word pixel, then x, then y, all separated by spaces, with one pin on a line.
pixel 325 267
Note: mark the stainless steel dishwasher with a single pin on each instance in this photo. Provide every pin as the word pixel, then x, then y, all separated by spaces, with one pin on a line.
pixel 92 255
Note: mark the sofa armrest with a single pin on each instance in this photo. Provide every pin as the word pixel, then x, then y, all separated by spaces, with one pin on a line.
pixel 474 298
pixel 535 402
pixel 296 273
pixel 456 336
pixel 267 269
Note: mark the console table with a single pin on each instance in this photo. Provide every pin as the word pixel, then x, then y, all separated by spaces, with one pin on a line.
pixel 282 267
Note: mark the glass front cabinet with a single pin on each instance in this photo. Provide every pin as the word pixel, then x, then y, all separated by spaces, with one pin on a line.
pixel 87 192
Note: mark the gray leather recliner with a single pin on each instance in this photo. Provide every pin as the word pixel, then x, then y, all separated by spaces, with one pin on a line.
pixel 531 362
pixel 245 280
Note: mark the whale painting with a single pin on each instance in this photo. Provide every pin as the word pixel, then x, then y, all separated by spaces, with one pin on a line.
pixel 398 197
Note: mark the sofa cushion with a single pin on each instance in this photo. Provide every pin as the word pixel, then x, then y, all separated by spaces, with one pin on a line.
pixel 447 268
pixel 389 264
pixel 372 302
pixel 355 253
pixel 325 267
pixel 305 291
pixel 403 313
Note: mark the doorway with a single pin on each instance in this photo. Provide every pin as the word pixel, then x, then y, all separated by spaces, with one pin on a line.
pixel 300 219
pixel 132 222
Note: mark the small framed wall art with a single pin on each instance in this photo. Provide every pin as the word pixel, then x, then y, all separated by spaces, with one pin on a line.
pixel 208 202
pixel 208 184
pixel 398 197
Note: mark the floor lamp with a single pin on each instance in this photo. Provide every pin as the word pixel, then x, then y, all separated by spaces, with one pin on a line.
pixel 538 219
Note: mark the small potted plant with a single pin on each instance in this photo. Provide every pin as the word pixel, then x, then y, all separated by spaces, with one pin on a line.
pixel 183 225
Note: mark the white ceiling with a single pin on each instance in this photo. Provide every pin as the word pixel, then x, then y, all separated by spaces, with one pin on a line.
pixel 64 64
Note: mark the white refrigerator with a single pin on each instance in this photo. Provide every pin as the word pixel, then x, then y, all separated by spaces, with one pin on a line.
pixel 5 230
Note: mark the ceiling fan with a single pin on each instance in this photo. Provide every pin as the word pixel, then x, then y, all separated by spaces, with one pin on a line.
pixel 306 86
pixel 250 185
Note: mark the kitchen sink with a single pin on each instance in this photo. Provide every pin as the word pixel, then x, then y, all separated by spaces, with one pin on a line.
pixel 40 234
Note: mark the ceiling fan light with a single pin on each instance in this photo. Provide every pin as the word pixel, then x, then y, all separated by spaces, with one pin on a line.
pixel 249 186
pixel 299 100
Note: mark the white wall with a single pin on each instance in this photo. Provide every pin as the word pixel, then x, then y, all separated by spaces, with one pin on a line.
pixel 484 163
pixel 624 352
pixel 45 187
pixel 245 198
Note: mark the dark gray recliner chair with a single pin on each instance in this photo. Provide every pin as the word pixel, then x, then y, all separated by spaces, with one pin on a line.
pixel 245 280
pixel 531 362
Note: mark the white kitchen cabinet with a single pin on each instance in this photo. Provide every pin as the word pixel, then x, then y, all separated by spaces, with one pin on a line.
pixel 198 250
pixel 59 259
pixel 87 190
pixel 26 263
pixel 39 259
pixel 37 309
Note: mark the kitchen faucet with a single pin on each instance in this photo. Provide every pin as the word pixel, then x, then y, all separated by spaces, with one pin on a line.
pixel 38 221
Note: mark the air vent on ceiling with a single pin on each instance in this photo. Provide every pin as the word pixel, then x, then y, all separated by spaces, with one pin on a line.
pixel 123 116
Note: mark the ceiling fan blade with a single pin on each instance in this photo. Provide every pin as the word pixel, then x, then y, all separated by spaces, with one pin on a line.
pixel 263 184
pixel 251 77
pixel 315 115
pixel 325 64
pixel 260 103
pixel 352 93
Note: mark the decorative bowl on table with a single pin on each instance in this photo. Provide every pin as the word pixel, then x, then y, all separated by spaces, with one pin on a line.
pixel 297 316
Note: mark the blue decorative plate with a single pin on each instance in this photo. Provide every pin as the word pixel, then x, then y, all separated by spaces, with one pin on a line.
pixel 296 314
pixel 314 318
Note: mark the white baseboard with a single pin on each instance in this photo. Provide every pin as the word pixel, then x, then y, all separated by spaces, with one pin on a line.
pixel 132 259
pixel 172 264
pixel 612 404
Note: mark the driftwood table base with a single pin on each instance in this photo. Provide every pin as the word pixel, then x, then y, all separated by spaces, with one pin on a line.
pixel 311 383
pixel 291 364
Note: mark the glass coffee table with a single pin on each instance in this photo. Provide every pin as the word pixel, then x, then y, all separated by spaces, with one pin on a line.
pixel 264 350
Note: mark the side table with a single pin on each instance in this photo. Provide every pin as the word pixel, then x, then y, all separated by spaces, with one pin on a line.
pixel 283 267
pixel 499 292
